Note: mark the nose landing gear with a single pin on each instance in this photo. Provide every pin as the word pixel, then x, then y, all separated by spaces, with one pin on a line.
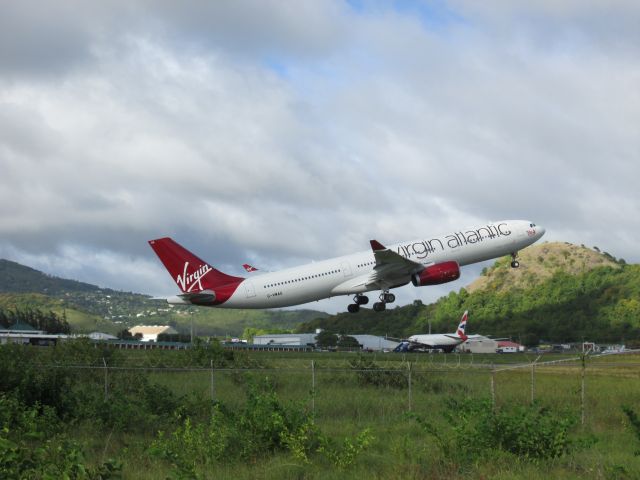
pixel 514 262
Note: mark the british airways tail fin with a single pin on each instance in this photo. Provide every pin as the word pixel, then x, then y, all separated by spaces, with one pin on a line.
pixel 190 273
pixel 461 332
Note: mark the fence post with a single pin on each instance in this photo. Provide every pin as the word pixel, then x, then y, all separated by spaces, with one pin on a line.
pixel 106 379
pixel 409 380
pixel 533 382
pixel 313 388
pixel 493 386
pixel 213 385
pixel 584 364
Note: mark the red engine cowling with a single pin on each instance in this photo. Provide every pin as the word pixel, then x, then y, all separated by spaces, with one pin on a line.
pixel 436 274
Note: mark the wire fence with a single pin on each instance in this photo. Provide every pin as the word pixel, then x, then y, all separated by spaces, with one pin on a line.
pixel 388 387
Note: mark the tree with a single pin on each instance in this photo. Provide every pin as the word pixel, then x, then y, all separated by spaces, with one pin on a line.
pixel 326 339
pixel 124 334
pixel 347 341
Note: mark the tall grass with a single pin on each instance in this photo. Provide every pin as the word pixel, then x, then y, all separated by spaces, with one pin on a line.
pixel 343 403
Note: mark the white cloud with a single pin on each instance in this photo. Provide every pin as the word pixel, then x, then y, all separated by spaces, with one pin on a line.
pixel 284 132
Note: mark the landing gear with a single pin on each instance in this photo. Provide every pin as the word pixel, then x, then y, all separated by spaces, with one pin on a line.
pixel 360 299
pixel 514 262
pixel 379 306
pixel 385 297
pixel 357 301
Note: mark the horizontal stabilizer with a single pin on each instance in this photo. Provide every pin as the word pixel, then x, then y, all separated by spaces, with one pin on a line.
pixel 204 297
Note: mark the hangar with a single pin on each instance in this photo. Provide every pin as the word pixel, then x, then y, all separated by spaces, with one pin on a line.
pixel 367 342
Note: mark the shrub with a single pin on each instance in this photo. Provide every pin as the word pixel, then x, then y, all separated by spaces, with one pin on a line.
pixel 33 444
pixel 264 426
pixel 477 431
pixel 634 423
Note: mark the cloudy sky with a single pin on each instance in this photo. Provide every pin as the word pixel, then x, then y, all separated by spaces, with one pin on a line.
pixel 280 132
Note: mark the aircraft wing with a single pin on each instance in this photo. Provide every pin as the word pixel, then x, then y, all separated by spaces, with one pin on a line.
pixel 392 269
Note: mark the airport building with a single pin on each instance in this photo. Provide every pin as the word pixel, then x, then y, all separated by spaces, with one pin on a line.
pixel 479 344
pixel 150 333
pixel 367 342
pixel 25 334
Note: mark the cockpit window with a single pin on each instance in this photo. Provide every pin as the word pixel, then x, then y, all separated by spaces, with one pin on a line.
pixel 532 225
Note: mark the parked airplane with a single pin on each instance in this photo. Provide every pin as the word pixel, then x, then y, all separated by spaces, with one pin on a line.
pixel 446 342
pixel 428 261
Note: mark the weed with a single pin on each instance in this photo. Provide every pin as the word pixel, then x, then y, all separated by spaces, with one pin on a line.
pixel 368 373
pixel 634 423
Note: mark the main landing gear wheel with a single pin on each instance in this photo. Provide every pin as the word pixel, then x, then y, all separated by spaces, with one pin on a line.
pixel 388 297
pixel 379 306
pixel 360 299
pixel 514 262
pixel 357 301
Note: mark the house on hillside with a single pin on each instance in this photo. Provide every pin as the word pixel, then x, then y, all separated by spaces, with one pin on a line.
pixel 149 333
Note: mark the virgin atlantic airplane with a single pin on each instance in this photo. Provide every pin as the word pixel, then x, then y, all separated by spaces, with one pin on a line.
pixel 428 261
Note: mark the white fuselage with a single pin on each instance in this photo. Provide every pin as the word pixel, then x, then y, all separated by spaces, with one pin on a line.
pixel 436 340
pixel 348 274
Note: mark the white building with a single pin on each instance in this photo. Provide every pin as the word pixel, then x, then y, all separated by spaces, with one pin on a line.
pixel 367 342
pixel 101 336
pixel 150 332
pixel 374 342
pixel 288 339
pixel 479 344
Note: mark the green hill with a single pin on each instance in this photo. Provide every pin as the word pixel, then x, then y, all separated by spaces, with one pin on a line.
pixel 88 307
pixel 560 293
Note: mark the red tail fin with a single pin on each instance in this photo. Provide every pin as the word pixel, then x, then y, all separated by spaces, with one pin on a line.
pixel 462 328
pixel 189 272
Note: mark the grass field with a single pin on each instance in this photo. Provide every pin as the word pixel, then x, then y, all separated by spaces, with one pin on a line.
pixel 348 394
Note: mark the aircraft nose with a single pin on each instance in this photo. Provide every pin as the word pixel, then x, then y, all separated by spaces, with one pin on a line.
pixel 541 230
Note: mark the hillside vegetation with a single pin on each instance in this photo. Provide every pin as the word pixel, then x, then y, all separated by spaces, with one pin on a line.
pixel 560 293
pixel 89 308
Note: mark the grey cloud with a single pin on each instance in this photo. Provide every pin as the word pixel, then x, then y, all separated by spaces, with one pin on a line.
pixel 390 131
pixel 302 28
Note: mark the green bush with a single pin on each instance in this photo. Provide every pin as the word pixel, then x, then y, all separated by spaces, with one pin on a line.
pixel 264 426
pixel 634 423
pixel 33 444
pixel 478 431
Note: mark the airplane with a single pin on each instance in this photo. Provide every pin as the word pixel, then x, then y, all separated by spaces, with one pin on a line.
pixel 430 260
pixel 446 342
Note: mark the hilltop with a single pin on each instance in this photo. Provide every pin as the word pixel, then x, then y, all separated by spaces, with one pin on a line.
pixel 88 307
pixel 538 263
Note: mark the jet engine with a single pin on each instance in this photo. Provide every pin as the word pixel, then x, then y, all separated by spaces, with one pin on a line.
pixel 436 274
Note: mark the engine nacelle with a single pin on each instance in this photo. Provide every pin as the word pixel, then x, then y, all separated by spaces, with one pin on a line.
pixel 436 274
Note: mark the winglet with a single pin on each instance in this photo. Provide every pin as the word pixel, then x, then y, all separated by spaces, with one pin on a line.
pixel 376 245
pixel 249 268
